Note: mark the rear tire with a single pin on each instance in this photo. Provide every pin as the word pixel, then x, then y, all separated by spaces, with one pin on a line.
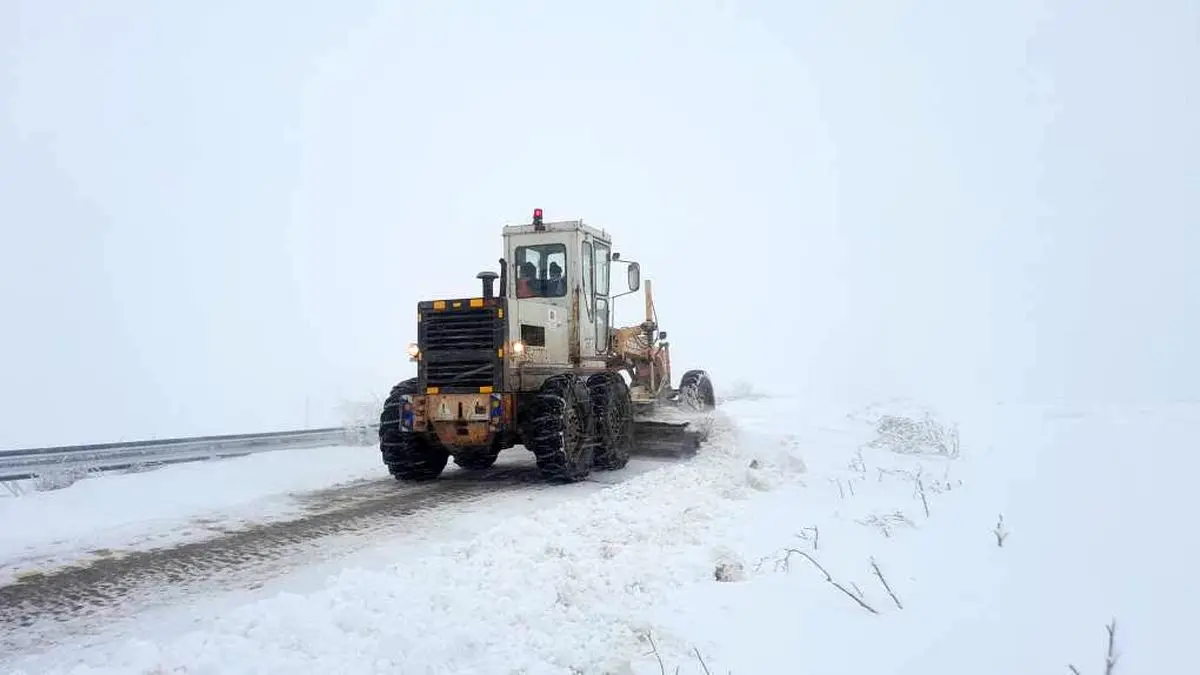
pixel 560 430
pixel 408 455
pixel 696 391
pixel 613 411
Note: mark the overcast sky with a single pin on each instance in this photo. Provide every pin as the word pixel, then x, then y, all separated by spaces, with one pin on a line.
pixel 219 216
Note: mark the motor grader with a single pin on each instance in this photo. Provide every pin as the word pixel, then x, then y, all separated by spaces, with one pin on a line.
pixel 537 363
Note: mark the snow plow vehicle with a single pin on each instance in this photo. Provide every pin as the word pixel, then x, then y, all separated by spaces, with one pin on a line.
pixel 536 363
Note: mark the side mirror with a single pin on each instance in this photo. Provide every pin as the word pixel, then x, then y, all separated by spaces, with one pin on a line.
pixel 634 274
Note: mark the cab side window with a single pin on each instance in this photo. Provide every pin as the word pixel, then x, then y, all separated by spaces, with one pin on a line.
pixel 602 265
pixel 586 259
pixel 602 317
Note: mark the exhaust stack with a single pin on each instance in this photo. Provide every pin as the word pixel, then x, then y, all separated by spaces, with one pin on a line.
pixel 488 278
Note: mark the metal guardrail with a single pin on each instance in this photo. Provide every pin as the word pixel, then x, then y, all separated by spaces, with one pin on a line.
pixel 34 462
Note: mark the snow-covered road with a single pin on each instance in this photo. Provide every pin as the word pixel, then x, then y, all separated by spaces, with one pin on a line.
pixel 120 512
pixel 832 557
pixel 215 528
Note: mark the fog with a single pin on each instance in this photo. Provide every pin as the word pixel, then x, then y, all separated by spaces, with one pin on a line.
pixel 218 217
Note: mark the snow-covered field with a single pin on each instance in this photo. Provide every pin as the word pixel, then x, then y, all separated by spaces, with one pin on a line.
pixel 786 547
pixel 172 505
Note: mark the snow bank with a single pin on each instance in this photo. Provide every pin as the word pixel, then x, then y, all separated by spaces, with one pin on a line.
pixel 1011 558
pixel 787 546
pixel 182 502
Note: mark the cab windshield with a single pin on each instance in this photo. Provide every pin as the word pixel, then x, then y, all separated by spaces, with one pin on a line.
pixel 541 271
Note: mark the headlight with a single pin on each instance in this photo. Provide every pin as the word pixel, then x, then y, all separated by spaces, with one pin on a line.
pixel 518 347
pixel 413 350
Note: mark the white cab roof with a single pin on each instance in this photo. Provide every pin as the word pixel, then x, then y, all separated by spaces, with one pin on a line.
pixel 559 226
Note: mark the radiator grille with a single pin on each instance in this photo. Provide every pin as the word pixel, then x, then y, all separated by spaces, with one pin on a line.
pixel 459 374
pixel 459 347
pixel 460 329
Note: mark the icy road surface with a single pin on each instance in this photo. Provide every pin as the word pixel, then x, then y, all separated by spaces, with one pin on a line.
pixel 791 544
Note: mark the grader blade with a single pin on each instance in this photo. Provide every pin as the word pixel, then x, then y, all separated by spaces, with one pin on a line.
pixel 652 438
pixel 674 425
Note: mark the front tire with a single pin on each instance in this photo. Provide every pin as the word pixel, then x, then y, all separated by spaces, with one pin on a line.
pixel 560 430
pixel 696 391
pixel 408 455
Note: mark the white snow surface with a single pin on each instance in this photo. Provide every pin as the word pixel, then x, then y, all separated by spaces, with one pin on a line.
pixel 1095 505
pixel 167 506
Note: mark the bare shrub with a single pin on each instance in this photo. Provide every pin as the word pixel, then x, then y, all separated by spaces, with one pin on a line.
pixel 783 563
pixel 60 477
pixel 887 522
pixel 920 483
pixel 908 436
pixel 858 464
pixel 1110 657
pixel 14 487
pixel 812 534
pixel 943 484
pixel 1000 532
pixel 662 667
pixel 841 490
pixel 921 492
pixel 886 585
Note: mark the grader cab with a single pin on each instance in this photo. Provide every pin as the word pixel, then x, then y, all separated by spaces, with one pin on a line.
pixel 535 361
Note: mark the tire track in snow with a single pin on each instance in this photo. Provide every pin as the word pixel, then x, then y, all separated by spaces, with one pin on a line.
pixel 80 592
pixel 36 610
